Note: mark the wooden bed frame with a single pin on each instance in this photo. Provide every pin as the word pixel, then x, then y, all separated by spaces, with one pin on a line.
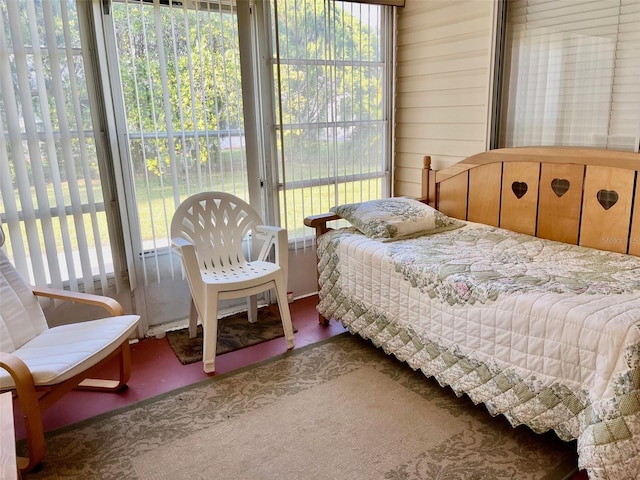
pixel 583 197
pixel 580 196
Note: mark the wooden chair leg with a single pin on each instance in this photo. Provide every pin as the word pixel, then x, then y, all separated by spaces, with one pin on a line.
pixel 33 401
pixel 28 399
pixel 124 369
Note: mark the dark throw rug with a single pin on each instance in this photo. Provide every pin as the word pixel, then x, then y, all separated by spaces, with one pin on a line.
pixel 234 332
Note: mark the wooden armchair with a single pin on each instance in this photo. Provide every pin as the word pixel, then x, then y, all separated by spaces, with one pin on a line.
pixel 41 364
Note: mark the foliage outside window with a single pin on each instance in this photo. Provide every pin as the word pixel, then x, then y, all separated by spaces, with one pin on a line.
pixel 330 69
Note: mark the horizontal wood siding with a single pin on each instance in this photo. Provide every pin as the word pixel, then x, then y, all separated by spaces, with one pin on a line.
pixel 443 84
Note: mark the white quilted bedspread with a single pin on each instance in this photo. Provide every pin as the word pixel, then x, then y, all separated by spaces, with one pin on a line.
pixel 547 334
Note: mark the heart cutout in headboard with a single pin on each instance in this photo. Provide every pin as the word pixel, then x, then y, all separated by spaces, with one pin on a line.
pixel 519 189
pixel 607 198
pixel 560 186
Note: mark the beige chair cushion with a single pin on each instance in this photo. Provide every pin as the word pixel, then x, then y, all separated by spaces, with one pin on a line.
pixel 61 352
pixel 21 317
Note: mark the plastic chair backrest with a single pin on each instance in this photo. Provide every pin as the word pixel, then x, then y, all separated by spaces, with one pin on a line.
pixel 217 224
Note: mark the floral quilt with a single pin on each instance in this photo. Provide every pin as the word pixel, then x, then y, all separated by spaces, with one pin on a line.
pixel 480 264
pixel 546 334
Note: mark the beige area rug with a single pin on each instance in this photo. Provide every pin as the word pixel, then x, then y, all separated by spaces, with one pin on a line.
pixel 340 409
pixel 234 332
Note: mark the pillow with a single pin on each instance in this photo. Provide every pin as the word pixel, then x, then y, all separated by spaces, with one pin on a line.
pixel 395 218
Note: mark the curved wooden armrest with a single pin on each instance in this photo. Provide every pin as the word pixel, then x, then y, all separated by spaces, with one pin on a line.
pixel 319 222
pixel 18 370
pixel 316 220
pixel 109 304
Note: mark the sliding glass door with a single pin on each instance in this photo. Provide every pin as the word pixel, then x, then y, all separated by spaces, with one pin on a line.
pixel 178 67
pixel 310 129
pixel 114 111
pixel 331 64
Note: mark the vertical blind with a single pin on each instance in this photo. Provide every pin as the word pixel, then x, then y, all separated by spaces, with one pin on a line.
pixel 52 207
pixel 180 80
pixel 572 74
pixel 179 68
pixel 331 66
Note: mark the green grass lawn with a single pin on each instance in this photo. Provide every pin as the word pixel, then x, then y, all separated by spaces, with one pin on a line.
pixel 156 205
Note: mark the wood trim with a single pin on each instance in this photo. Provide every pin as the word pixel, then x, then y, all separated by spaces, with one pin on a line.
pixel 575 216
pixel 607 227
pixel 559 205
pixel 427 173
pixel 634 238
pixel 391 3
pixel 485 191
pixel 564 155
pixel 453 196
pixel 319 222
pixel 109 304
pixel 31 411
pixel 519 199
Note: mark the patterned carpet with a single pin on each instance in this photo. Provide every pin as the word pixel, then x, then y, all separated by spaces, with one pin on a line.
pixel 338 409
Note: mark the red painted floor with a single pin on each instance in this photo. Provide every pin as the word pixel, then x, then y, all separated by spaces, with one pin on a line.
pixel 155 370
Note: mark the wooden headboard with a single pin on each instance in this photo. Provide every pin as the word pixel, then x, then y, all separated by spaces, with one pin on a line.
pixel 581 196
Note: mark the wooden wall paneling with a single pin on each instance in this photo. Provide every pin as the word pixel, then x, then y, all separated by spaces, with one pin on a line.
pixel 634 241
pixel 519 209
pixel 452 196
pixel 606 208
pixel 560 201
pixel 485 183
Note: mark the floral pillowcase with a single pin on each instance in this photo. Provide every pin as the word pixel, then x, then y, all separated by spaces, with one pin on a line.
pixel 395 218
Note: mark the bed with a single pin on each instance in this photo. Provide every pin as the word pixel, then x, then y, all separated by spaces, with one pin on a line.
pixel 517 283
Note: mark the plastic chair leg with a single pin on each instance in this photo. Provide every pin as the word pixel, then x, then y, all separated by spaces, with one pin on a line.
pixel 285 314
pixel 193 319
pixel 210 333
pixel 252 308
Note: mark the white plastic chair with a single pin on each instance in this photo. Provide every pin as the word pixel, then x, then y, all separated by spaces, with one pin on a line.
pixel 41 364
pixel 218 236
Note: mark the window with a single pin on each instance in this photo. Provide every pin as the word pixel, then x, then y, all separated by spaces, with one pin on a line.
pixel 178 65
pixel 286 104
pixel 331 67
pixel 52 205
pixel 572 74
